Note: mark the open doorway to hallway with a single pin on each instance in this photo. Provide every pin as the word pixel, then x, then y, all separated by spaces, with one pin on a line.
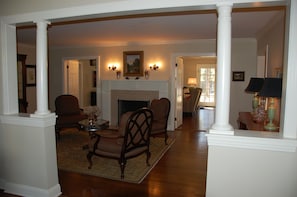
pixel 203 71
pixel 80 79
pixel 201 68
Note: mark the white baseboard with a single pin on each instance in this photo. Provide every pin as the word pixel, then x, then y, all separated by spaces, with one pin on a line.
pixel 28 191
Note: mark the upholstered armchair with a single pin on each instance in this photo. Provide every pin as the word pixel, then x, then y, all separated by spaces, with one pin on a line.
pixel 160 109
pixel 130 140
pixel 191 100
pixel 68 112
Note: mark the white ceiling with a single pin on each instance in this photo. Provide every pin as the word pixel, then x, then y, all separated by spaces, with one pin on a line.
pixel 150 29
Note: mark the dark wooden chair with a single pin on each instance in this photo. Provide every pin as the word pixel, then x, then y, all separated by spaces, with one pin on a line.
pixel 68 113
pixel 130 140
pixel 160 109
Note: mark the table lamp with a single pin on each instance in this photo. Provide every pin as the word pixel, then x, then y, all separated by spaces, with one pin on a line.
pixel 254 86
pixel 192 81
pixel 272 88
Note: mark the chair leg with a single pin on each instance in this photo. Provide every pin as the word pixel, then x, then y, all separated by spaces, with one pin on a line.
pixel 166 137
pixel 122 165
pixel 89 157
pixel 148 156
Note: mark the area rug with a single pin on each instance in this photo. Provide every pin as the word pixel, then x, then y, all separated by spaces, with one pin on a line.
pixel 71 157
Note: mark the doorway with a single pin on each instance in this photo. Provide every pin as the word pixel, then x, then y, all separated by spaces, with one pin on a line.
pixel 187 66
pixel 80 78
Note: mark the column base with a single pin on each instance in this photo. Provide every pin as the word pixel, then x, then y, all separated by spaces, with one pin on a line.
pixel 41 115
pixel 221 129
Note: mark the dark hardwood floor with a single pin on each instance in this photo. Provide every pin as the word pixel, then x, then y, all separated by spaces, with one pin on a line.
pixel 181 172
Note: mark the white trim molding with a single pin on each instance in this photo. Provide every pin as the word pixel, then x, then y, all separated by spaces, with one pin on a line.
pixel 25 190
pixel 25 120
pixel 269 141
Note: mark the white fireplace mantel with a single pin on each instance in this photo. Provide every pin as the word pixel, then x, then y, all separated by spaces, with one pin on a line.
pixel 106 87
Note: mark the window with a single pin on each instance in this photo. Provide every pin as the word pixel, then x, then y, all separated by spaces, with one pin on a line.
pixel 206 73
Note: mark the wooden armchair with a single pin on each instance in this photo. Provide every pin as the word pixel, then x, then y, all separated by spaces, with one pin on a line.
pixel 68 112
pixel 130 140
pixel 160 109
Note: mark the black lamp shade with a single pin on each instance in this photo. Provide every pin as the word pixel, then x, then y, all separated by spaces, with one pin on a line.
pixel 255 85
pixel 272 88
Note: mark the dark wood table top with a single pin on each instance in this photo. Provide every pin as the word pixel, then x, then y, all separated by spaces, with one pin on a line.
pixel 246 118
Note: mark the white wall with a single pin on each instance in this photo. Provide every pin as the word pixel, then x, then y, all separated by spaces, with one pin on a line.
pixel 251 173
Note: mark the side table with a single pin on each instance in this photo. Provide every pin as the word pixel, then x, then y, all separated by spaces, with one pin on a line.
pixel 99 125
pixel 246 122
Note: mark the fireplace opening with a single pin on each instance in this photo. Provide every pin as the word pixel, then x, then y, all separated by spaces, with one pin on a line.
pixel 130 105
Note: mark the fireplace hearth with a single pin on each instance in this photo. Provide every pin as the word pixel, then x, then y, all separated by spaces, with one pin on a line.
pixel 130 105
pixel 131 99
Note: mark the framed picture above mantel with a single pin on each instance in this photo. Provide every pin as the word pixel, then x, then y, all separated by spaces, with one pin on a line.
pixel 133 63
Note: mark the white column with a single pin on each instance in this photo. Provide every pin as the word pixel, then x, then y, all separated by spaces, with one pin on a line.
pixel 221 124
pixel 41 70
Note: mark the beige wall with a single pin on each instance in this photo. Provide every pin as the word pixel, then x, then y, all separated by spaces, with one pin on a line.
pixel 273 36
pixel 152 53
pixel 30 51
pixel 243 59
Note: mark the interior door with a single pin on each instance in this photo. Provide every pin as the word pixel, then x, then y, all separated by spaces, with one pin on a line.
pixel 71 78
pixel 179 74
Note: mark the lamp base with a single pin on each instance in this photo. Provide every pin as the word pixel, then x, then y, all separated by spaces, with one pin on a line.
pixel 270 127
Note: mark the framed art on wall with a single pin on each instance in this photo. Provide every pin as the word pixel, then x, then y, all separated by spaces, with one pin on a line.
pixel 133 63
pixel 238 76
pixel 30 75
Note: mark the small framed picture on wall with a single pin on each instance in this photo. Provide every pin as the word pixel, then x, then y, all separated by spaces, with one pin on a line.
pixel 238 76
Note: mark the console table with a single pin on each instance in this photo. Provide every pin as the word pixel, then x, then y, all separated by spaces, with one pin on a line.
pixel 245 121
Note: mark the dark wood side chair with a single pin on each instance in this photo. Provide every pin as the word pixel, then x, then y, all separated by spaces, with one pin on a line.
pixel 68 113
pixel 130 140
pixel 160 109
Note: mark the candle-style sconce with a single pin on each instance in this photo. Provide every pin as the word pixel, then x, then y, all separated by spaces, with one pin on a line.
pixel 146 74
pixel 154 67
pixel 113 67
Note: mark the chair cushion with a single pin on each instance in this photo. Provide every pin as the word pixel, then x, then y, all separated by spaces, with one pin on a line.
pixel 66 119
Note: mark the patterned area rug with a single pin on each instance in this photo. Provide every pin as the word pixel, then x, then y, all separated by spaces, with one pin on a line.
pixel 72 157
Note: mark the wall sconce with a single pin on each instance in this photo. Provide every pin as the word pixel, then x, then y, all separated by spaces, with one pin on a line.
pixel 113 67
pixel 154 67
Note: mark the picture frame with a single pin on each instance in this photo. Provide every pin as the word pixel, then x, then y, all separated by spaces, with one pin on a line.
pixel 133 63
pixel 30 75
pixel 238 76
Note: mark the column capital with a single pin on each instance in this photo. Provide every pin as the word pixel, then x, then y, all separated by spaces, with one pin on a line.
pixel 224 4
pixel 42 21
